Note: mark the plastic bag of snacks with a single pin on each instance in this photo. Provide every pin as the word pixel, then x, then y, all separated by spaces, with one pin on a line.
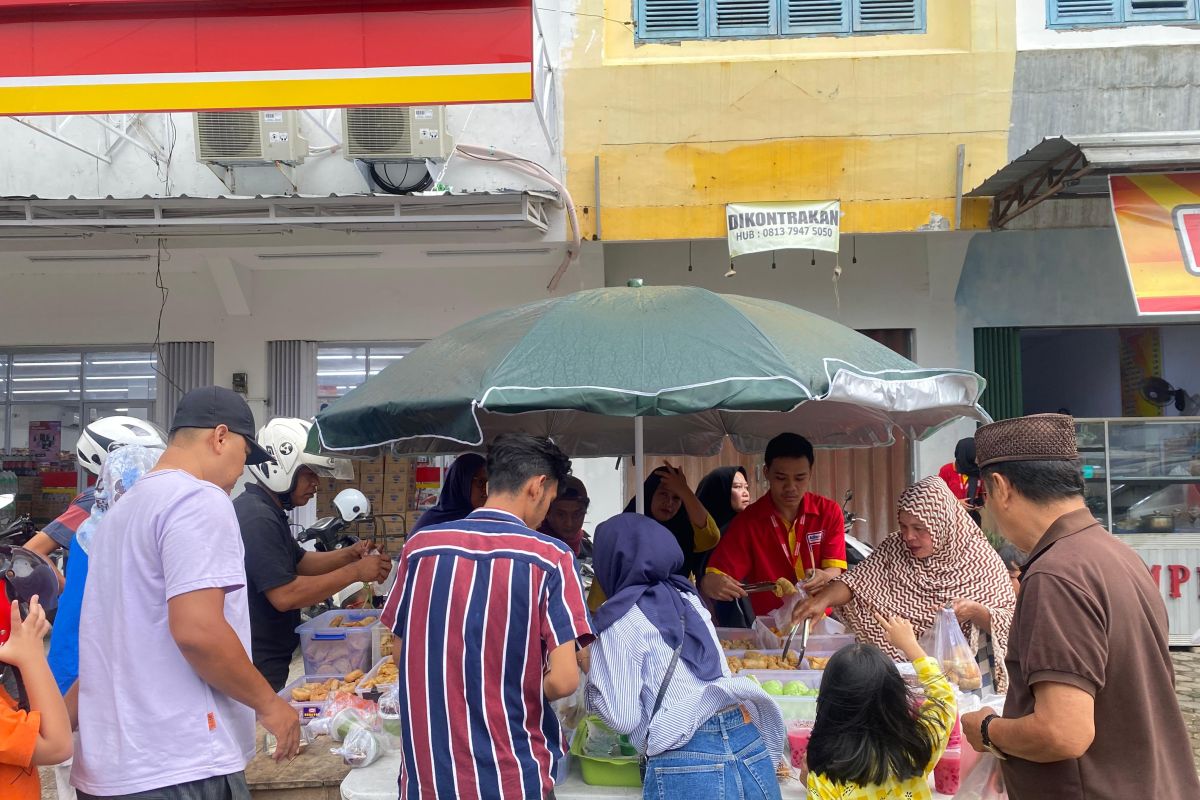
pixel 986 782
pixel 361 747
pixel 946 643
pixel 345 711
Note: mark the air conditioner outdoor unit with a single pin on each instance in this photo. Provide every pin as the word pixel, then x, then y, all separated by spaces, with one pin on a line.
pixel 395 134
pixel 246 138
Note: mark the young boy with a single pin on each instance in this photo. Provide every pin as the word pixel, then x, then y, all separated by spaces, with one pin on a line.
pixel 40 735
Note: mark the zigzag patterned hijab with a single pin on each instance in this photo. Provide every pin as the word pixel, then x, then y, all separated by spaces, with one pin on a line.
pixel 963 566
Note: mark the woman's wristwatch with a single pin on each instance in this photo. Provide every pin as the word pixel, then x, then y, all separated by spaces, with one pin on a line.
pixel 987 740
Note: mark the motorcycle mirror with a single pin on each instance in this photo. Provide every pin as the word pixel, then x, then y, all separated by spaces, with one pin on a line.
pixel 849 495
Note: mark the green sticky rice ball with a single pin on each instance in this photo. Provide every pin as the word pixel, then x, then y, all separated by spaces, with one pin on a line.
pixel 773 687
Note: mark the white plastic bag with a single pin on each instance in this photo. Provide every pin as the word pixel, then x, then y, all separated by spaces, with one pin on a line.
pixel 946 643
pixel 986 781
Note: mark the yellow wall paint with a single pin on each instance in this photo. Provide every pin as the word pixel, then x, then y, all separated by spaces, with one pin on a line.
pixel 682 129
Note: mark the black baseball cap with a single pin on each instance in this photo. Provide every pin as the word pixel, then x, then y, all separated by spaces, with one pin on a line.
pixel 211 406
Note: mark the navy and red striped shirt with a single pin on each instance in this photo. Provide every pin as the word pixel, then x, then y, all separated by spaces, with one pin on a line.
pixel 478 606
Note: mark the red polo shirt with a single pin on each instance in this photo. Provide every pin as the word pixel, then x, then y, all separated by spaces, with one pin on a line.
pixel 760 546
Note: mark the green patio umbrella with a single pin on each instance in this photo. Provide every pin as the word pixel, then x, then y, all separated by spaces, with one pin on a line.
pixel 646 370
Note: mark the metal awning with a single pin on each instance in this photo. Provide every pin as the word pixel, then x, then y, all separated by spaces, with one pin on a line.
pixel 350 212
pixel 1079 166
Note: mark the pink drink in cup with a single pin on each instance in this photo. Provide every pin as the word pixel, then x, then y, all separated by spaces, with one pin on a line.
pixel 798 736
pixel 955 734
pixel 947 775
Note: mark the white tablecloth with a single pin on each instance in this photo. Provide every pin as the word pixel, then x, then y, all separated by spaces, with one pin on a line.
pixel 378 782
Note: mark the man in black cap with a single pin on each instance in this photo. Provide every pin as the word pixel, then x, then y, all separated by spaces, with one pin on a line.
pixel 1091 710
pixel 167 694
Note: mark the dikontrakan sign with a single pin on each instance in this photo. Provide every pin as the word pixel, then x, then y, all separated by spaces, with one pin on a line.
pixel 762 227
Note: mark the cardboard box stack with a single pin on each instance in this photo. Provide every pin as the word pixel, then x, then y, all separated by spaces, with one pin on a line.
pixel 388 484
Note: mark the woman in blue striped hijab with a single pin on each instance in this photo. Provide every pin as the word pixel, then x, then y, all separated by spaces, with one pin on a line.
pixel 705 733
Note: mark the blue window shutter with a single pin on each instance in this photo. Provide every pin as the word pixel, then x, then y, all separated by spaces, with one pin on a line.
pixel 1153 10
pixel 889 15
pixel 815 16
pixel 1066 13
pixel 742 17
pixel 670 19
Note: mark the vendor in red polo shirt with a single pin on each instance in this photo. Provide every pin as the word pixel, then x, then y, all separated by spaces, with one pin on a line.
pixel 789 533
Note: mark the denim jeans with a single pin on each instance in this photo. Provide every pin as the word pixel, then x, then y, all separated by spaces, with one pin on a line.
pixel 725 760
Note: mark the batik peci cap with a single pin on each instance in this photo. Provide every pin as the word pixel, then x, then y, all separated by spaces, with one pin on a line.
pixel 1039 437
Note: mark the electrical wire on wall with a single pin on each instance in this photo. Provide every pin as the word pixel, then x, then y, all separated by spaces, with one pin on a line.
pixel 535 170
pixel 159 361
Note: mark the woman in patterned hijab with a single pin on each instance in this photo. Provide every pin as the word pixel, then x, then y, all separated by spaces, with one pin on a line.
pixel 939 557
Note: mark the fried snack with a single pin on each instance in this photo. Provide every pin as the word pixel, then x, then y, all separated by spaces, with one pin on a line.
pixel 354 676
pixel 301 694
pixel 388 673
pixel 817 662
pixel 736 644
pixel 736 665
pixel 337 621
pixel 783 588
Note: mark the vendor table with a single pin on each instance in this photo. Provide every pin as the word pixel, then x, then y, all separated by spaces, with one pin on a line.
pixel 378 782
pixel 315 774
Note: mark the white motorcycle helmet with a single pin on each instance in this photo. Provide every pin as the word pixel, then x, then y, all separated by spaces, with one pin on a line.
pixel 351 505
pixel 105 435
pixel 285 439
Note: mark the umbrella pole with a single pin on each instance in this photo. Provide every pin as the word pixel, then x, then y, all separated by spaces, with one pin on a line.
pixel 639 455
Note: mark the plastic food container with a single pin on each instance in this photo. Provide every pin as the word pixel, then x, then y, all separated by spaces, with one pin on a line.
pixel 329 650
pixel 382 641
pixel 360 691
pixel 809 677
pixel 735 634
pixel 307 709
pixel 604 771
pixel 796 709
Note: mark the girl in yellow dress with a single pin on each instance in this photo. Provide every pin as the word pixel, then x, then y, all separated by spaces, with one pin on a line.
pixel 874 738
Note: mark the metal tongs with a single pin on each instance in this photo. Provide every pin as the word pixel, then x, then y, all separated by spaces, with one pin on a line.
pixel 764 586
pixel 803 641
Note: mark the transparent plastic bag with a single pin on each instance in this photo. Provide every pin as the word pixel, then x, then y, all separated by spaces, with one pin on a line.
pixel 361 747
pixel 985 782
pixel 389 717
pixel 946 643
pixel 572 709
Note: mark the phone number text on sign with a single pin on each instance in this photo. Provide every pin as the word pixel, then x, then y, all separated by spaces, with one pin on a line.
pixel 762 227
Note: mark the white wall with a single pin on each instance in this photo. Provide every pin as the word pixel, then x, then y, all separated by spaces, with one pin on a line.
pixel 1032 33
pixel 899 281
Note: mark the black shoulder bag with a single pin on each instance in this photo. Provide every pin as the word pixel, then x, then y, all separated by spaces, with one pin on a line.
pixel 662 693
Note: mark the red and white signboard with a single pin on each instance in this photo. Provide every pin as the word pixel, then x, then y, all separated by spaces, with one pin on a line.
pixel 113 56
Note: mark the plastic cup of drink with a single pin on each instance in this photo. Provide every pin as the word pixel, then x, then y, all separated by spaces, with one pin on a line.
pixel 798 736
pixel 947 775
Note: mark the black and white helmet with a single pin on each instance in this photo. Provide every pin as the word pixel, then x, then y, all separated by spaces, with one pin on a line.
pixel 285 439
pixel 105 435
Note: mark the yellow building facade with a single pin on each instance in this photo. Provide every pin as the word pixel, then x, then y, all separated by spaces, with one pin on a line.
pixel 875 120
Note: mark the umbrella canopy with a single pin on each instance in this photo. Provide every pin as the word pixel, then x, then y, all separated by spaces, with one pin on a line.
pixel 695 365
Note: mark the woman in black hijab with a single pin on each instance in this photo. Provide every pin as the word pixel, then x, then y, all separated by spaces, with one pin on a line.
pixel 725 492
pixel 671 503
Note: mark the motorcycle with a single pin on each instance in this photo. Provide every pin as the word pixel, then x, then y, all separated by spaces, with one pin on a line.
pixel 857 551
pixel 333 533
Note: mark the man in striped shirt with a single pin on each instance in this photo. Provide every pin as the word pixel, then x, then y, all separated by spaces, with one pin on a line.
pixel 488 613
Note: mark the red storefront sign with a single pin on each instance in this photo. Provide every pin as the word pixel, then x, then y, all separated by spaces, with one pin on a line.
pixel 110 56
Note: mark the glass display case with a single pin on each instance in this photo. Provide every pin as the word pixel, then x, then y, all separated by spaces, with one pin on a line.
pixel 1142 474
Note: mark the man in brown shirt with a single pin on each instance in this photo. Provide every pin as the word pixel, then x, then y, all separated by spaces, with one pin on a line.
pixel 1091 710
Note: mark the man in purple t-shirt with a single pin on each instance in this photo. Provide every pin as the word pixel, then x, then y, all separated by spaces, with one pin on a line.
pixel 167 694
